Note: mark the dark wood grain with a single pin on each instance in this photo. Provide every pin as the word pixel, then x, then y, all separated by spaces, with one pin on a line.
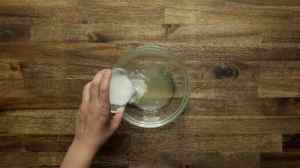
pixel 274 160
pixel 290 143
pixel 62 122
pixel 15 32
pixel 66 67
pixel 225 35
pixel 279 3
pixel 60 143
pixel 231 12
pixel 127 143
pixel 53 159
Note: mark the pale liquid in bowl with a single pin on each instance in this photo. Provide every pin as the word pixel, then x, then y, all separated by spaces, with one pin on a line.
pixel 152 88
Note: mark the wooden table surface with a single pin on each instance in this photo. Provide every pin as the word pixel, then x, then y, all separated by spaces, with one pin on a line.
pixel 243 57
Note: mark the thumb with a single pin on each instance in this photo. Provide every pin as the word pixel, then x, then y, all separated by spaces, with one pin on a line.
pixel 116 120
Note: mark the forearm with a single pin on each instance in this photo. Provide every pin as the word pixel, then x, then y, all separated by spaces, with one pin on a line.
pixel 78 156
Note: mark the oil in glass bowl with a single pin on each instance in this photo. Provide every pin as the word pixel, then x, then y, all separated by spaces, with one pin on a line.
pixel 161 86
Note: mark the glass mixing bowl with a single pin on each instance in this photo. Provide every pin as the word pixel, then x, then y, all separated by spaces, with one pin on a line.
pixel 167 82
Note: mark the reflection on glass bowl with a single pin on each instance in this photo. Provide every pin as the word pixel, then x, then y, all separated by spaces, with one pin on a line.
pixel 165 83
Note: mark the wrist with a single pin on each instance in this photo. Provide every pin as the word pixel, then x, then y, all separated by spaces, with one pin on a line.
pixel 83 151
pixel 78 156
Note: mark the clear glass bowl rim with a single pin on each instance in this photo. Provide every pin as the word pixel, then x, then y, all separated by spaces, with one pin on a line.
pixel 184 99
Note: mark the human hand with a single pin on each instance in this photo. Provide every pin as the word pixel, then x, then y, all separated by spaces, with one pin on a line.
pixel 95 123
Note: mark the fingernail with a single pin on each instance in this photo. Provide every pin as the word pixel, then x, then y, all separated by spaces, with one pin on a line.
pixel 96 77
pixel 107 73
